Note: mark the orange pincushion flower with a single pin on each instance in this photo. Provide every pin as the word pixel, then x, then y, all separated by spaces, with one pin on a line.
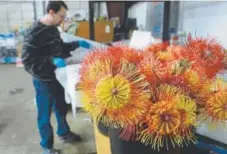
pixel 160 123
pixel 96 54
pixel 171 115
pixel 154 48
pixel 207 54
pixel 178 52
pixel 154 70
pixel 132 55
pixel 126 53
pixel 165 119
pixel 119 53
pixel 91 72
pixel 116 54
pixel 159 50
pixel 193 82
pixel 166 92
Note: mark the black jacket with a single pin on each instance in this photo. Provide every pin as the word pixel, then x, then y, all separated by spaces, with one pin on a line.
pixel 41 44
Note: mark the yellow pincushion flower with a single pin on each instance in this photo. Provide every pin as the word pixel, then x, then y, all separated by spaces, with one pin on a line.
pixel 219 85
pixel 187 109
pixel 216 107
pixel 187 106
pixel 120 93
pixel 124 97
pixel 90 75
pixel 113 92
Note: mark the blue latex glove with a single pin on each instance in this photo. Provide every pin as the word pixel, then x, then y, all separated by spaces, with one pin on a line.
pixel 59 62
pixel 84 44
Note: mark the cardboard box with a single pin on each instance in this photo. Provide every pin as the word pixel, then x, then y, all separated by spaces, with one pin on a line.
pixel 104 31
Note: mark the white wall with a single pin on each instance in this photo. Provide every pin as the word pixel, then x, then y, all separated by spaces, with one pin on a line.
pixel 39 9
pixel 103 9
pixel 204 19
pixel 78 6
pixel 139 11
pixel 155 18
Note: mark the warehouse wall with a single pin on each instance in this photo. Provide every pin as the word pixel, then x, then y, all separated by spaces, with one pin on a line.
pixel 17 13
pixel 150 15
pixel 155 18
pixel 102 11
pixel 14 14
pixel 204 19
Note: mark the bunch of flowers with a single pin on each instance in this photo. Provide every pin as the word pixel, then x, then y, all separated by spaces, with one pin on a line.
pixel 157 95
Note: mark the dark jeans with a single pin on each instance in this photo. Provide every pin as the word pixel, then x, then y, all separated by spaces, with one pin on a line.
pixel 50 95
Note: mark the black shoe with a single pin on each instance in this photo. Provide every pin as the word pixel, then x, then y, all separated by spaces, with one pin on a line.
pixel 70 138
pixel 51 151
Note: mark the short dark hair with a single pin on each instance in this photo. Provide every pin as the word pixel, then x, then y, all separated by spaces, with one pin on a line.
pixel 56 6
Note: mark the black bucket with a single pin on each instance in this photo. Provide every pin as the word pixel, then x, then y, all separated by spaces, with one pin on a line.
pixel 102 129
pixel 119 146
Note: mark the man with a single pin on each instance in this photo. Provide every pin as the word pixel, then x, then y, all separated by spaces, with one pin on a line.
pixel 42 44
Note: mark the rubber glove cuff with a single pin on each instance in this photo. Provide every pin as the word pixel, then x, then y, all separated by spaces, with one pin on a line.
pixel 84 44
pixel 59 62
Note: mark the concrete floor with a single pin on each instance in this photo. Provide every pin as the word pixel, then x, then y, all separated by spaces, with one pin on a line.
pixel 18 127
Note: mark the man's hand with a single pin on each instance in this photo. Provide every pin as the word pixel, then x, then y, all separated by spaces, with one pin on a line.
pixel 84 44
pixel 59 62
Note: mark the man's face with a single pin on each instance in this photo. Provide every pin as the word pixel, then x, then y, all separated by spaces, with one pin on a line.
pixel 58 17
